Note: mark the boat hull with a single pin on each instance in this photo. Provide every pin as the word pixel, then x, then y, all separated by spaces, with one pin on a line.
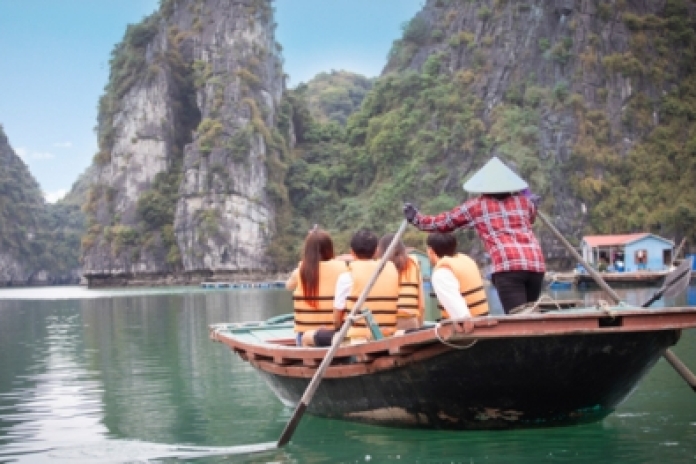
pixel 494 384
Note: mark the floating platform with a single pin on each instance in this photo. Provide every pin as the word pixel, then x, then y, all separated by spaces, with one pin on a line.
pixel 568 280
pixel 623 279
pixel 560 285
pixel 272 284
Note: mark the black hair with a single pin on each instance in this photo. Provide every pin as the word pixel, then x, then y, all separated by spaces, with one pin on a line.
pixel 364 244
pixel 501 196
pixel 442 244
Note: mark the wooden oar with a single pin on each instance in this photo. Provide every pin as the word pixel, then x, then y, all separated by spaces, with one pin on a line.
pixel 314 383
pixel 679 249
pixel 672 358
pixel 675 282
pixel 595 275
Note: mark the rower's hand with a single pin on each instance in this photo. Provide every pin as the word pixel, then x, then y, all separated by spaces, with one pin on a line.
pixel 410 212
pixel 536 199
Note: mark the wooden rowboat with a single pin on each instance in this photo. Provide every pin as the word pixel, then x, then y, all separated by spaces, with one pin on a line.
pixel 558 367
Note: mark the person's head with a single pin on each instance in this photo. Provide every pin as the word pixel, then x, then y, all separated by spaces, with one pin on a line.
pixel 399 257
pixel 440 245
pixel 318 247
pixel 363 244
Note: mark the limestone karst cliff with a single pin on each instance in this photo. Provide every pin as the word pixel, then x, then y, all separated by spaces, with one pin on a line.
pixel 186 137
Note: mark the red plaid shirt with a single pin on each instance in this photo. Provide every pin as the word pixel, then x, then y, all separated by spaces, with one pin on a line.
pixel 505 226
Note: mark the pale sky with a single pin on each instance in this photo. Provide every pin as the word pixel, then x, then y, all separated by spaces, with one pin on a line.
pixel 54 64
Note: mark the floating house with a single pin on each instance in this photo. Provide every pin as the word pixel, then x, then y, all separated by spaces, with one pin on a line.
pixel 628 252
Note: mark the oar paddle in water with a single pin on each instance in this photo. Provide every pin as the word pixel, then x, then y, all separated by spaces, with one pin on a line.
pixel 670 282
pixel 314 383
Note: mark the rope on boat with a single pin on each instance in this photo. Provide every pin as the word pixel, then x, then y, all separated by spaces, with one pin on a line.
pixel 452 345
pixel 544 297
pixel 530 308
pixel 603 305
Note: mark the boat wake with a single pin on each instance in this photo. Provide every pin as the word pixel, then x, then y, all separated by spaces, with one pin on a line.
pixel 140 452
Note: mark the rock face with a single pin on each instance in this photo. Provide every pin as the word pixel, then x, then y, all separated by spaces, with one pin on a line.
pixel 581 67
pixel 185 128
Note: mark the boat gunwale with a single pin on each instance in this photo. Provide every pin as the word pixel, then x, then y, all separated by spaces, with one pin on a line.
pixel 569 322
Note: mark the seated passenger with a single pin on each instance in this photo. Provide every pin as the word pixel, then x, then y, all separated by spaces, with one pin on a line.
pixel 314 282
pixel 381 300
pixel 411 302
pixel 456 279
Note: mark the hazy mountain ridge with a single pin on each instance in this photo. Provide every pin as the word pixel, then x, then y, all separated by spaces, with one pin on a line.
pixel 334 96
pixel 39 242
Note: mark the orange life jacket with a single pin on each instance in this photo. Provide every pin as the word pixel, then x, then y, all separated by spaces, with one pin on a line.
pixel 470 283
pixel 410 303
pixel 308 317
pixel 381 301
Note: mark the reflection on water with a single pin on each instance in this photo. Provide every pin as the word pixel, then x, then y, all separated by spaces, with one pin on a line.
pixel 128 376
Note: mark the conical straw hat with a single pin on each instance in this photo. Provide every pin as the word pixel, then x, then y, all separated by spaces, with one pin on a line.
pixel 495 177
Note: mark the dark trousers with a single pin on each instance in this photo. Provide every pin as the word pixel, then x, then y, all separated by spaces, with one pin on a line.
pixel 516 288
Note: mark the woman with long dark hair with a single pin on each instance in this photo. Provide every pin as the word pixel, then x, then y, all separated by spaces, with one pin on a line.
pixel 314 285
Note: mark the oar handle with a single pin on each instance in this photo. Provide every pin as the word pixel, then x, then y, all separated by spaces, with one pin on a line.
pixel 314 383
pixel 595 275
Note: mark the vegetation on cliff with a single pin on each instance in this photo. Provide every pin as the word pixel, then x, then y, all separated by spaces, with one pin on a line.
pixel 425 126
pixel 651 189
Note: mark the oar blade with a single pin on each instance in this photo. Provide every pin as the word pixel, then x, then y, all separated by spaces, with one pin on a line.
pixel 677 280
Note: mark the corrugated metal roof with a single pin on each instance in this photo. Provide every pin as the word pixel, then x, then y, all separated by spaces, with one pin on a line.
pixel 616 240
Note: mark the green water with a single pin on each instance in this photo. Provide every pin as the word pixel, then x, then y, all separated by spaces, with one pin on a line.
pixel 131 376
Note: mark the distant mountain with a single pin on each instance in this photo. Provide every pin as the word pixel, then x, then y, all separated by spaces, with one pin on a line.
pixel 39 243
pixel 335 95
